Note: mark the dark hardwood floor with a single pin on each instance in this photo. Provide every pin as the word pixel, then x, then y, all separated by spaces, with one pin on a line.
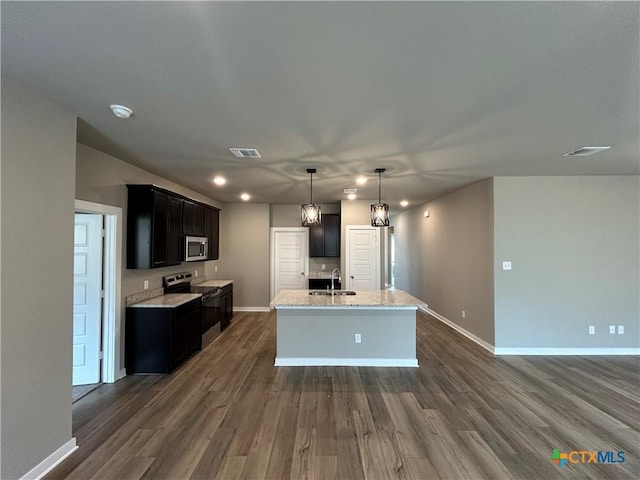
pixel 229 413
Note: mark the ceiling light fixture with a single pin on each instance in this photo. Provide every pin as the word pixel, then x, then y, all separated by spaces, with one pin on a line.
pixel 310 213
pixel 246 197
pixel 404 203
pixel 585 151
pixel 121 111
pixel 380 211
pixel 218 180
pixel 351 196
pixel 361 180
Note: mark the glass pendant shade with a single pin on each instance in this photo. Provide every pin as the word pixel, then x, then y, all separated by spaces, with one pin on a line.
pixel 311 215
pixel 380 211
pixel 380 215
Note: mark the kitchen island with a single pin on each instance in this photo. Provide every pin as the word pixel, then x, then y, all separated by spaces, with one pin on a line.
pixel 370 328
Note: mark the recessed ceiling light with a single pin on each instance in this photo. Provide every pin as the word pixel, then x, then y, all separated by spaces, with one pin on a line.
pixel 404 203
pixel 585 151
pixel 245 153
pixel 361 180
pixel 351 196
pixel 121 111
pixel 246 197
pixel 218 180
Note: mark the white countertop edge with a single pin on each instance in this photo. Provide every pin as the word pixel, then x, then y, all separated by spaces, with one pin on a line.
pixel 344 362
pixel 345 307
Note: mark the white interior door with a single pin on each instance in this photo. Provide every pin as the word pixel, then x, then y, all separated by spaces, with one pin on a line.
pixel 289 259
pixel 87 298
pixel 363 258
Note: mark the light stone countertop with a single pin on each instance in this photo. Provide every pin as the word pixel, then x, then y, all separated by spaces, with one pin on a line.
pixel 378 298
pixel 215 283
pixel 170 300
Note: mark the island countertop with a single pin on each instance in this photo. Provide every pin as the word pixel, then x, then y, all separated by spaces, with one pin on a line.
pixel 396 299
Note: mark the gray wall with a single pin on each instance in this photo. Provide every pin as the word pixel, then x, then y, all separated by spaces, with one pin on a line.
pixel 244 245
pixel 574 243
pixel 38 184
pixel 447 259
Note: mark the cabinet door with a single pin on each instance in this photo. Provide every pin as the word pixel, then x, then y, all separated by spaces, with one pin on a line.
pixel 174 244
pixel 212 231
pixel 331 235
pixel 316 240
pixel 159 226
pixel 194 331
pixel 192 218
pixel 180 346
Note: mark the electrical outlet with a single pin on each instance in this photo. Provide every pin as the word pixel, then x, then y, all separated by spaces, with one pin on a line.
pixel 612 329
pixel 592 330
pixel 146 284
pixel 464 314
pixel 196 273
pixel 620 329
pixel 358 338
pixel 323 266
pixel 506 265
pixel 215 269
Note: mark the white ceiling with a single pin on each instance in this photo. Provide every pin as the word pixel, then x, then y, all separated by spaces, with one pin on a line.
pixel 440 93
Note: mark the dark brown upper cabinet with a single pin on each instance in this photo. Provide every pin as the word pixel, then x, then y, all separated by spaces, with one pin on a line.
pixel 153 227
pixel 192 218
pixel 157 222
pixel 212 231
pixel 324 241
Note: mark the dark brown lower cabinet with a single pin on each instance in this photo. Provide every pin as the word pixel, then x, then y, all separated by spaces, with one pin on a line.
pixel 226 306
pixel 158 340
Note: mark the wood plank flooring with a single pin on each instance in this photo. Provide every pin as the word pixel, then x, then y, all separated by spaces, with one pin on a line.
pixel 228 413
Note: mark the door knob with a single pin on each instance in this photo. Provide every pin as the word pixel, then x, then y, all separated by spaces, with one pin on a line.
pixel 351 276
pixel 301 273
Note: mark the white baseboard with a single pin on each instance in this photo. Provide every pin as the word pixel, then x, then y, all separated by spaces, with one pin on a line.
pixel 121 374
pixel 345 362
pixel 533 350
pixel 49 463
pixel 251 309
pixel 484 344
pixel 565 351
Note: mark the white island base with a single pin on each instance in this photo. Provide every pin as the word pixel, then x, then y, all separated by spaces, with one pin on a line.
pixel 326 337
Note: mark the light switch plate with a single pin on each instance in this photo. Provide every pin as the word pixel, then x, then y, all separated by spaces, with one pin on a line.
pixel 146 284
pixel 612 329
pixel 592 330
pixel 620 329
pixel 506 265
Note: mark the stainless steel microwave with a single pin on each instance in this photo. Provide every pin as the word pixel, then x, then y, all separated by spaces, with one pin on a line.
pixel 196 249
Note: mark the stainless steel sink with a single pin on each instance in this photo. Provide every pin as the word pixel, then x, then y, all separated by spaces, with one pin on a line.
pixel 329 292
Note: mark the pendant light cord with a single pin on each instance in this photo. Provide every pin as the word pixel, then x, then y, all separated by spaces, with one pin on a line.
pixel 311 187
pixel 379 186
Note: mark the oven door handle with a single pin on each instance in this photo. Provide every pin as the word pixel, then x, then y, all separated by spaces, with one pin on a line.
pixel 211 296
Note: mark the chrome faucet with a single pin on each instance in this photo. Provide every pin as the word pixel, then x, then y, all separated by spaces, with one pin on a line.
pixel 335 271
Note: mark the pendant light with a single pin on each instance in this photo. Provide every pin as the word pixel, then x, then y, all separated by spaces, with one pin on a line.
pixel 380 211
pixel 311 214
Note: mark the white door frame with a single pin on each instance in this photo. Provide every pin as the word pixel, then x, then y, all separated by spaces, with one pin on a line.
pixel 347 247
pixel 272 254
pixel 112 309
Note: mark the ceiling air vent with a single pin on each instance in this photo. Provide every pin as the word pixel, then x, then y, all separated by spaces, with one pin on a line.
pixel 350 190
pixel 585 151
pixel 245 152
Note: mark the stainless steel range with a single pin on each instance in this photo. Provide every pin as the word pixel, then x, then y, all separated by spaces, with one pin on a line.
pixel 211 311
